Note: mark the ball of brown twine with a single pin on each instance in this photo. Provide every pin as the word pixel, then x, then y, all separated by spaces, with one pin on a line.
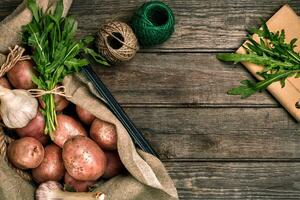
pixel 117 42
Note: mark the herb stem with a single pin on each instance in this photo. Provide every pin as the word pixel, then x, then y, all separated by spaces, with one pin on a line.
pixel 278 58
pixel 55 52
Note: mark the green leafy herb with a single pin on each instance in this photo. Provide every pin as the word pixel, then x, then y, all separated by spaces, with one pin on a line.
pixel 55 53
pixel 279 59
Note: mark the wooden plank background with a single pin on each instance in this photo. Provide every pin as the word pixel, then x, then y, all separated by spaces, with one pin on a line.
pixel 214 146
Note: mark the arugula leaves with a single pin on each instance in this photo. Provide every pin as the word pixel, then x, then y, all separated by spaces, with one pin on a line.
pixel 55 52
pixel 279 59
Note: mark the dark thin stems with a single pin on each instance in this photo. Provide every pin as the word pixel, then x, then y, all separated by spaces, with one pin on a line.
pixel 117 110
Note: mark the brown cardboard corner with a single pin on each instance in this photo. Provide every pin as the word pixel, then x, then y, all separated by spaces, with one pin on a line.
pixel 285 18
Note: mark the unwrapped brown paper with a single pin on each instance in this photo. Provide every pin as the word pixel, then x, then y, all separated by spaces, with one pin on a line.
pixel 288 20
pixel 146 177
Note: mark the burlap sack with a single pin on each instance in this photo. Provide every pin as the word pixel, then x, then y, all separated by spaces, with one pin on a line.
pixel 146 178
pixel 12 186
pixel 11 26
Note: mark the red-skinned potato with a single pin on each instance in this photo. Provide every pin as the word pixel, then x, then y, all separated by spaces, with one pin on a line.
pixel 104 134
pixel 114 165
pixel 79 186
pixel 84 115
pixel 25 153
pixel 52 167
pixel 20 76
pixel 35 128
pixel 44 139
pixel 60 102
pixel 83 159
pixel 67 128
pixel 4 83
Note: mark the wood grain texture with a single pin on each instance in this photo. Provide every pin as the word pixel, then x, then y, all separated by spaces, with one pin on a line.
pixel 178 100
pixel 222 133
pixel 229 180
pixel 201 24
pixel 209 25
pixel 198 79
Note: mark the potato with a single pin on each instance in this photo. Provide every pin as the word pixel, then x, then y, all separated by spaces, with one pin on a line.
pixel 104 134
pixel 114 164
pixel 20 76
pixel 35 128
pixel 4 83
pixel 60 102
pixel 25 153
pixel 67 128
pixel 44 139
pixel 84 115
pixel 79 186
pixel 52 167
pixel 83 159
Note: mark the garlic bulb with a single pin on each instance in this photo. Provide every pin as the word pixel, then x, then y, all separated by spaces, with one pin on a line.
pixel 17 108
pixel 52 190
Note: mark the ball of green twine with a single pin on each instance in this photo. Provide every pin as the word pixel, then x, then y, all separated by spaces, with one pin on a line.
pixel 153 23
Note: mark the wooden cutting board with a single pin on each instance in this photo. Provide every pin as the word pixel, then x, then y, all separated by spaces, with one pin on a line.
pixel 288 20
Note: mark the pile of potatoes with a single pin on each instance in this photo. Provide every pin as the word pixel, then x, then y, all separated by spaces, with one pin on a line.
pixel 83 150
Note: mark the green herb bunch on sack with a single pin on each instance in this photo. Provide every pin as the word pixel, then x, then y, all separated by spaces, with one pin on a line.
pixel 56 53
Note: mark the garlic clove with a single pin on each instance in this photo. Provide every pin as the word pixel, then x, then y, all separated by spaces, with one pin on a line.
pixel 17 107
pixel 52 190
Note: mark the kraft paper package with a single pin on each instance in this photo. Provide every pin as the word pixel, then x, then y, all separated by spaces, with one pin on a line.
pixel 288 20
pixel 146 177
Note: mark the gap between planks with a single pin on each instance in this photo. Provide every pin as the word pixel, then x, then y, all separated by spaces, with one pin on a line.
pixel 196 105
pixel 187 50
pixel 233 160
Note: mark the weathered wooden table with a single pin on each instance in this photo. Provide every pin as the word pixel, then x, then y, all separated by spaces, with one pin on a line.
pixel 214 146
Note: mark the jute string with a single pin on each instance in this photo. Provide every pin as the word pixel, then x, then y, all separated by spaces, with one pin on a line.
pixel 4 142
pixel 60 90
pixel 15 55
pixel 129 42
pixel 107 30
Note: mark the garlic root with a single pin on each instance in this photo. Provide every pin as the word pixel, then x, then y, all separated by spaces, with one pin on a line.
pixel 52 190
pixel 17 108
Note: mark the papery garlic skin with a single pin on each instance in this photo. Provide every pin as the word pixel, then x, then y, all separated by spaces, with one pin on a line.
pixel 52 190
pixel 17 108
pixel 47 190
